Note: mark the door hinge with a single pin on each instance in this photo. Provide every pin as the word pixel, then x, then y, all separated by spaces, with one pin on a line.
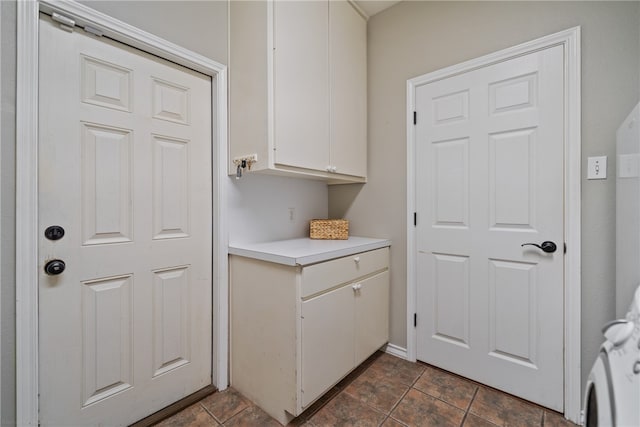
pixel 415 219
pixel 415 320
pixel 415 118
pixel 66 24
pixel 565 247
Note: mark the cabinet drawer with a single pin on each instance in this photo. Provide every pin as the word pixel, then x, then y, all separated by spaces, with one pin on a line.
pixel 319 277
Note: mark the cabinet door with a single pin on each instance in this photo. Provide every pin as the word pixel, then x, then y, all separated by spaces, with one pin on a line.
pixel 327 341
pixel 348 80
pixel 301 84
pixel 372 316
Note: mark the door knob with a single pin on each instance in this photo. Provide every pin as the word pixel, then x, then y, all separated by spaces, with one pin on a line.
pixel 54 232
pixel 54 267
pixel 548 247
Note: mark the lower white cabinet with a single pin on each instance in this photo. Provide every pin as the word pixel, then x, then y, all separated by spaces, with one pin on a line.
pixel 340 329
pixel 298 330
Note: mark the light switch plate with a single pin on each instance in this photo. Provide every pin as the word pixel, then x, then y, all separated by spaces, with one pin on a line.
pixel 597 167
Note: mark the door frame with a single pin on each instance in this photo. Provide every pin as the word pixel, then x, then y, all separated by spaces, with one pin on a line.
pixel 570 40
pixel 27 233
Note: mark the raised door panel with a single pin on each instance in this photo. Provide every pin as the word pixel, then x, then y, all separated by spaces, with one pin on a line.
pixel 451 288
pixel 107 356
pixel 171 326
pixel 106 154
pixel 372 315
pixel 301 84
pixel 327 341
pixel 513 311
pixel 348 89
pixel 171 188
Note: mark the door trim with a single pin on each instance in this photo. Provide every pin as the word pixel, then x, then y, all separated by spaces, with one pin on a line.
pixel 27 184
pixel 570 40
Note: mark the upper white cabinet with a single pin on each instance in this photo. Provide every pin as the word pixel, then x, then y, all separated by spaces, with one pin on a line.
pixel 348 94
pixel 297 88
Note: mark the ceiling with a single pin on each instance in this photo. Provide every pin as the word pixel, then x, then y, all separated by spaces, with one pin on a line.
pixel 371 7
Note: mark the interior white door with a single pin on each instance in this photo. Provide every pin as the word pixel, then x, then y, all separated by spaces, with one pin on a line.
pixel 489 178
pixel 125 169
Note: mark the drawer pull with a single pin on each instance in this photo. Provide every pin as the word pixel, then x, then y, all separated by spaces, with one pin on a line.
pixel 357 286
pixel 357 259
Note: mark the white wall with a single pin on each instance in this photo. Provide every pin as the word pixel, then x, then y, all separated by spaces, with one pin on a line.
pixel 7 211
pixel 258 207
pixel 415 37
pixel 200 26
pixel 1 334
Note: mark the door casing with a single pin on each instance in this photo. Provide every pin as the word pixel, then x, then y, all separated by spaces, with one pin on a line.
pixel 27 233
pixel 570 40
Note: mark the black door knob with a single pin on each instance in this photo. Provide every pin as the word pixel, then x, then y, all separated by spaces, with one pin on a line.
pixel 54 232
pixel 54 267
pixel 548 247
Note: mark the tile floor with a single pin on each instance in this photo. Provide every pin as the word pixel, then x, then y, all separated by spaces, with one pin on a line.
pixel 384 391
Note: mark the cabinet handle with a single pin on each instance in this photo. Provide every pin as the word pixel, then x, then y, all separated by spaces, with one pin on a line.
pixel 357 286
pixel 356 259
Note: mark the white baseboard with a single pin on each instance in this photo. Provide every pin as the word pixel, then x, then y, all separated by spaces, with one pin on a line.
pixel 395 350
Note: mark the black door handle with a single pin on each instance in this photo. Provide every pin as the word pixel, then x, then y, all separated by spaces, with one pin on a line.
pixel 548 247
pixel 54 267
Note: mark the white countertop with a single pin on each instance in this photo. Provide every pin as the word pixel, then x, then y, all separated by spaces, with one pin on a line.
pixel 306 251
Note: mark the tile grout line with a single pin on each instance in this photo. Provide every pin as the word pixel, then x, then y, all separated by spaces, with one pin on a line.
pixel 209 412
pixel 387 415
pixel 398 402
pixel 466 412
pixel 236 414
pixel 402 397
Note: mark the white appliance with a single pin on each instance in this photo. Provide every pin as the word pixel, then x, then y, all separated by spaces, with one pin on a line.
pixel 627 210
pixel 613 387
pixel 612 395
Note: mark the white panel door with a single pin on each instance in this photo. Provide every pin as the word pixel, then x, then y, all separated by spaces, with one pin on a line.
pixel 125 169
pixel 489 177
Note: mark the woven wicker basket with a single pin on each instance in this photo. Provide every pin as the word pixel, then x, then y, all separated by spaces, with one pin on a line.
pixel 329 229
